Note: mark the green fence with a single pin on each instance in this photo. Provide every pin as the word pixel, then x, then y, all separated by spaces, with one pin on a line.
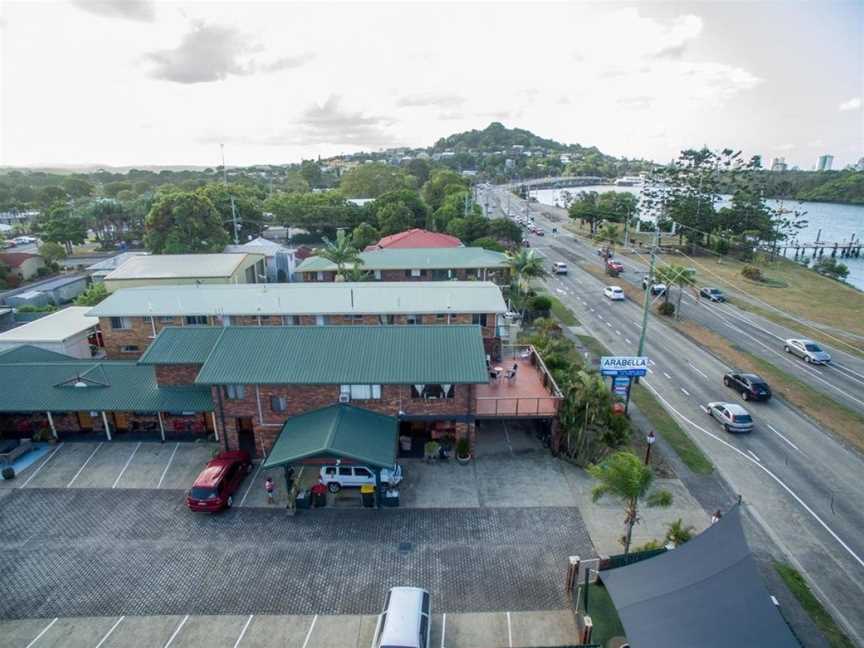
pixel 622 560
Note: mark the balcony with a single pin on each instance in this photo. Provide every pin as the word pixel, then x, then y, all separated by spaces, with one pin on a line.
pixel 532 393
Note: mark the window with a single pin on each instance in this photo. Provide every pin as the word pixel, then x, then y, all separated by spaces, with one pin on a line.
pixel 330 470
pixel 320 320
pixel 432 392
pixel 412 319
pixel 224 320
pixel 344 471
pixel 129 348
pixel 319 276
pixel 441 317
pixel 166 319
pixel 234 392
pixel 278 403
pixel 415 273
pixel 377 275
pixel 361 392
pixel 121 323
pixel 385 319
pixel 196 320
pixel 479 318
pixel 356 318
pixel 290 320
pixel 362 472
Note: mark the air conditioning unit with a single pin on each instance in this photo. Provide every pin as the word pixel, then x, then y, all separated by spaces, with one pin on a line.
pixel 344 398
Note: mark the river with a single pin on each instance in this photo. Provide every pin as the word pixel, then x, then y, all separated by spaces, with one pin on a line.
pixel 836 222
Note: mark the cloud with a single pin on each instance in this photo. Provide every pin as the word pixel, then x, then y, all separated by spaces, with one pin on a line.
pixel 853 104
pixel 640 103
pixel 430 99
pixel 213 53
pixel 450 115
pixel 142 10
pixel 671 52
pixel 330 123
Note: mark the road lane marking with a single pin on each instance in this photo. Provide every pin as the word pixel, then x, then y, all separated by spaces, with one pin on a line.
pixel 693 367
pixel 170 459
pixel 42 465
pixel 650 370
pixel 443 628
pixel 39 636
pixel 667 375
pixel 627 340
pixel 609 324
pixel 703 408
pixel 84 465
pixel 592 310
pixel 684 391
pixel 176 632
pixel 651 362
pixel 618 332
pixel 784 438
pixel 243 631
pixel 252 481
pixel 753 454
pixel 509 632
pixel 309 634
pixel 128 461
pixel 563 292
pixel 108 634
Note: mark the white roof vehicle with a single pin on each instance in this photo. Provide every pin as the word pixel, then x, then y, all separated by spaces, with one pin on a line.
pixel 406 619
pixel 614 293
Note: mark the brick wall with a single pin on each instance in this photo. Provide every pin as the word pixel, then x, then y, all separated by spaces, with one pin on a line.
pixel 140 334
pixel 181 374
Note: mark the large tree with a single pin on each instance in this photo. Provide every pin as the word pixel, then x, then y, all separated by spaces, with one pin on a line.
pixel 440 185
pixel 311 172
pixel 675 275
pixel 524 265
pixel 364 235
pixel 184 222
pixel 321 214
pixel 394 218
pixel 469 229
pixel 59 225
pixel 372 180
pixel 247 208
pixel 407 197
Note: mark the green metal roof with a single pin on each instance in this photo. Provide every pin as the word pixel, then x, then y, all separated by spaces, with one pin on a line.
pixel 333 355
pixel 186 345
pixel 28 353
pixel 108 386
pixel 339 431
pixel 416 259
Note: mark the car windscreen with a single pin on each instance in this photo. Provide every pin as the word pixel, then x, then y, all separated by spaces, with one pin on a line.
pixel 742 418
pixel 202 493
pixel 813 348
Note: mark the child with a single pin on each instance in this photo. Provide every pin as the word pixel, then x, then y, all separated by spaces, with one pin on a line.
pixel 268 486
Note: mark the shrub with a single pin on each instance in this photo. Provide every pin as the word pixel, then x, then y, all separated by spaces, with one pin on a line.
pixel 488 244
pixel 666 308
pixel 541 304
pixel 831 267
pixel 29 308
pixel 43 271
pixel 721 246
pixel 678 533
pixel 752 273
pixel 651 545
pixel 463 448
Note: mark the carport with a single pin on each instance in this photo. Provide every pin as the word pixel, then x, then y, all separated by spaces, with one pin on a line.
pixel 349 434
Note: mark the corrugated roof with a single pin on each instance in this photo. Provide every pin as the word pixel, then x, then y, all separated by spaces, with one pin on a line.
pixel 336 355
pixel 187 345
pixel 337 431
pixel 27 353
pixel 305 299
pixel 54 284
pixel 111 386
pixel 178 266
pixel 55 327
pixel 416 258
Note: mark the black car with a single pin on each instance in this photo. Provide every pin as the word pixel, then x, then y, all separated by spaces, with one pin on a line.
pixel 750 386
pixel 714 294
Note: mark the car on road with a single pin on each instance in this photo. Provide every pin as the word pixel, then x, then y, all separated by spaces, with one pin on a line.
pixel 808 350
pixel 559 268
pixel 750 386
pixel 732 416
pixel 714 294
pixel 214 488
pixel 406 621
pixel 613 267
pixel 24 240
pixel 604 252
pixel 339 476
pixel 539 231
pixel 614 293
pixel 656 288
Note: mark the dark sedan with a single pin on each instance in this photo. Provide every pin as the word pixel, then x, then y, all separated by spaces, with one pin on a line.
pixel 714 294
pixel 750 386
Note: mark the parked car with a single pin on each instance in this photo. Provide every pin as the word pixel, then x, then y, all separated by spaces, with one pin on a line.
pixel 808 350
pixel 604 252
pixel 613 267
pixel 714 294
pixel 614 293
pixel 526 243
pixel 538 231
pixel 732 416
pixel 406 619
pixel 656 289
pixel 339 476
pixel 559 268
pixel 214 488
pixel 750 386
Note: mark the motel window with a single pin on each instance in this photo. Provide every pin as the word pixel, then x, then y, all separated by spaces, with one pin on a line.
pixel 290 320
pixel 441 317
pixel 415 273
pixel 432 391
pixel 361 392
pixel 196 320
pixel 356 318
pixel 319 276
pixel 166 319
pixel 121 323
pixel 278 403
pixel 234 392
pixel 412 319
pixel 129 348
pixel 377 274
pixel 479 318
pixel 385 319
pixel 320 320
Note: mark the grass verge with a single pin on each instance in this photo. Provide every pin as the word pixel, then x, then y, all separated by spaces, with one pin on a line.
pixel 798 586
pixel 559 310
pixel 843 422
pixel 594 346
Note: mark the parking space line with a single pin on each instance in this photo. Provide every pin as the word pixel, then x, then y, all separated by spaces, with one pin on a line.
pixel 243 631
pixel 170 459
pixel 176 631
pixel 784 438
pixel 309 634
pixel 128 461
pixel 509 631
pixel 252 481
pixel 443 628
pixel 108 634
pixel 84 465
pixel 39 636
pixel 627 340
pixel 42 465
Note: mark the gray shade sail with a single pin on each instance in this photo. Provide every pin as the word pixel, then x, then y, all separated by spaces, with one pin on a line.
pixel 707 593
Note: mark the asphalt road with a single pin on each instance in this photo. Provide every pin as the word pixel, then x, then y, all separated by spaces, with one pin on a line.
pixel 799 481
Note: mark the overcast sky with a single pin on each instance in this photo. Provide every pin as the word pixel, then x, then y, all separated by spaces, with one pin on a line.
pixel 141 82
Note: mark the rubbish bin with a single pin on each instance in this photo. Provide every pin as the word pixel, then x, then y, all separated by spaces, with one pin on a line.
pixel 367 492
pixel 319 498
pixel 391 497
pixel 302 501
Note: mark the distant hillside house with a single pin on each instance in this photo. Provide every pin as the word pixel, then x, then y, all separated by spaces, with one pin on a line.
pixel 24 265
pixel 179 269
pixel 416 238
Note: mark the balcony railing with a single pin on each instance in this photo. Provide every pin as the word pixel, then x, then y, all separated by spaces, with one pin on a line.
pixel 532 393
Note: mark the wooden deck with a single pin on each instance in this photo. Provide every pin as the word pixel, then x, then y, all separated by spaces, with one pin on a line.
pixel 530 394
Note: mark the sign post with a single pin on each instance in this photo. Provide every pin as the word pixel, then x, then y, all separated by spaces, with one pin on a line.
pixel 623 369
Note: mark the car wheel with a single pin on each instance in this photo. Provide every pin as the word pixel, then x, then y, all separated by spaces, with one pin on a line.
pixel 229 502
pixel 334 487
pixel 786 349
pixel 745 395
pixel 807 359
pixel 726 382
pixel 726 427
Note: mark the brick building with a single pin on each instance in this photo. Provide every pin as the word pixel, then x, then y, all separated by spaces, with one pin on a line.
pixel 131 318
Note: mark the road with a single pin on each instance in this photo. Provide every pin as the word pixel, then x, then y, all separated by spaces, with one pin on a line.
pixel 799 481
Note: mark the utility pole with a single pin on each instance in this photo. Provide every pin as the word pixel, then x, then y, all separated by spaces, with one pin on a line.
pixel 647 302
pixel 234 225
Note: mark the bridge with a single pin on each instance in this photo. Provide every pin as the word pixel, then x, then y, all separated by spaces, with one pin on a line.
pixel 558 182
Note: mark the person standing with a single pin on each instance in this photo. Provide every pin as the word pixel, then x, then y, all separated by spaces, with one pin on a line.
pixel 268 486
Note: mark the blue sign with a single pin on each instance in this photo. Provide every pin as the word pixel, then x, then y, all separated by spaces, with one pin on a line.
pixel 620 384
pixel 623 366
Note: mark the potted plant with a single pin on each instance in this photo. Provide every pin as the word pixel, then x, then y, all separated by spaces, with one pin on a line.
pixel 463 451
pixel 8 473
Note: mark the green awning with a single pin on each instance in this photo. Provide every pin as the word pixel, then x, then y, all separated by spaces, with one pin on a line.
pixel 338 431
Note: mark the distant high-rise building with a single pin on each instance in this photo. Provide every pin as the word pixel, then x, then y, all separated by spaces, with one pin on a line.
pixel 824 163
pixel 779 164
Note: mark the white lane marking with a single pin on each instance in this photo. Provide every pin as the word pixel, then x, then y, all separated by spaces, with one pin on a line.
pixel 128 461
pixel 684 391
pixel 650 370
pixel 609 324
pixel 39 636
pixel 627 340
pixel 252 482
pixel 42 465
pixel 850 373
pixel 170 459
pixel 637 324
pixel 693 367
pixel 779 481
pixel 599 316
pixel 443 628
pixel 667 375
pixel 176 632
pixel 84 465
pixel 592 310
pixel 651 362
pixel 703 408
pixel 243 631
pixel 618 332
pixel 309 634
pixel 753 454
pixel 509 632
pixel 563 292
pixel 783 437
pixel 108 634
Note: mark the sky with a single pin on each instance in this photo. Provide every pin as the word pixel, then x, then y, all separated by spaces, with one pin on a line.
pixel 142 82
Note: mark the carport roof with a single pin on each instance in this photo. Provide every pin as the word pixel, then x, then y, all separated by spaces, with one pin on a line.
pixel 186 345
pixel 338 431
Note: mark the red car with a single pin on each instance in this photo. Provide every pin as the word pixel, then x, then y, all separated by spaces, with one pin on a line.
pixel 214 488
pixel 614 267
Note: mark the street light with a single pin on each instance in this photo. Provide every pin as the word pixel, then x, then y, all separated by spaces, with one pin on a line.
pixel 651 438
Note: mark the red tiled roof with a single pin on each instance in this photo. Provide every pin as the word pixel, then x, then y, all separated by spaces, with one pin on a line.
pixel 15 259
pixel 416 238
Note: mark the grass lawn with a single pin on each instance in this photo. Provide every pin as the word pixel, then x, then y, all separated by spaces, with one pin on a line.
pixel 839 419
pixel 594 346
pixel 796 583
pixel 603 615
pixel 559 310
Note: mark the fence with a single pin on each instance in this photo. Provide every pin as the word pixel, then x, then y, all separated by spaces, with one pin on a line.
pixel 622 560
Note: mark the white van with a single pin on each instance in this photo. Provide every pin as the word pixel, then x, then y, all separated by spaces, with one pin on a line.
pixel 559 268
pixel 406 619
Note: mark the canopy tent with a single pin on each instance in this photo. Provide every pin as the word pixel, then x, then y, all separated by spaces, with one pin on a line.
pixel 706 593
pixel 339 431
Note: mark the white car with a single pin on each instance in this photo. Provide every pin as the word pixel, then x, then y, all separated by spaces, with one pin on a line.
pixel 732 416
pixel 614 293
pixel 339 476
pixel 559 268
pixel 808 350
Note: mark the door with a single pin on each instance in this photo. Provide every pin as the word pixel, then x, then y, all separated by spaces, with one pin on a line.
pixel 121 421
pixel 85 421
pixel 246 434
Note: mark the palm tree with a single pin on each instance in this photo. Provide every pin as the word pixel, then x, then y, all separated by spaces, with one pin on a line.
pixel 625 476
pixel 678 533
pixel 525 265
pixel 675 275
pixel 341 252
pixel 586 400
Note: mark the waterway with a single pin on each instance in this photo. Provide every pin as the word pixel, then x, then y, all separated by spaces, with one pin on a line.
pixel 836 222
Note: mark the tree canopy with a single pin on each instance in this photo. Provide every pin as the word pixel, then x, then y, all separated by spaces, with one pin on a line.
pixel 184 222
pixel 372 180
